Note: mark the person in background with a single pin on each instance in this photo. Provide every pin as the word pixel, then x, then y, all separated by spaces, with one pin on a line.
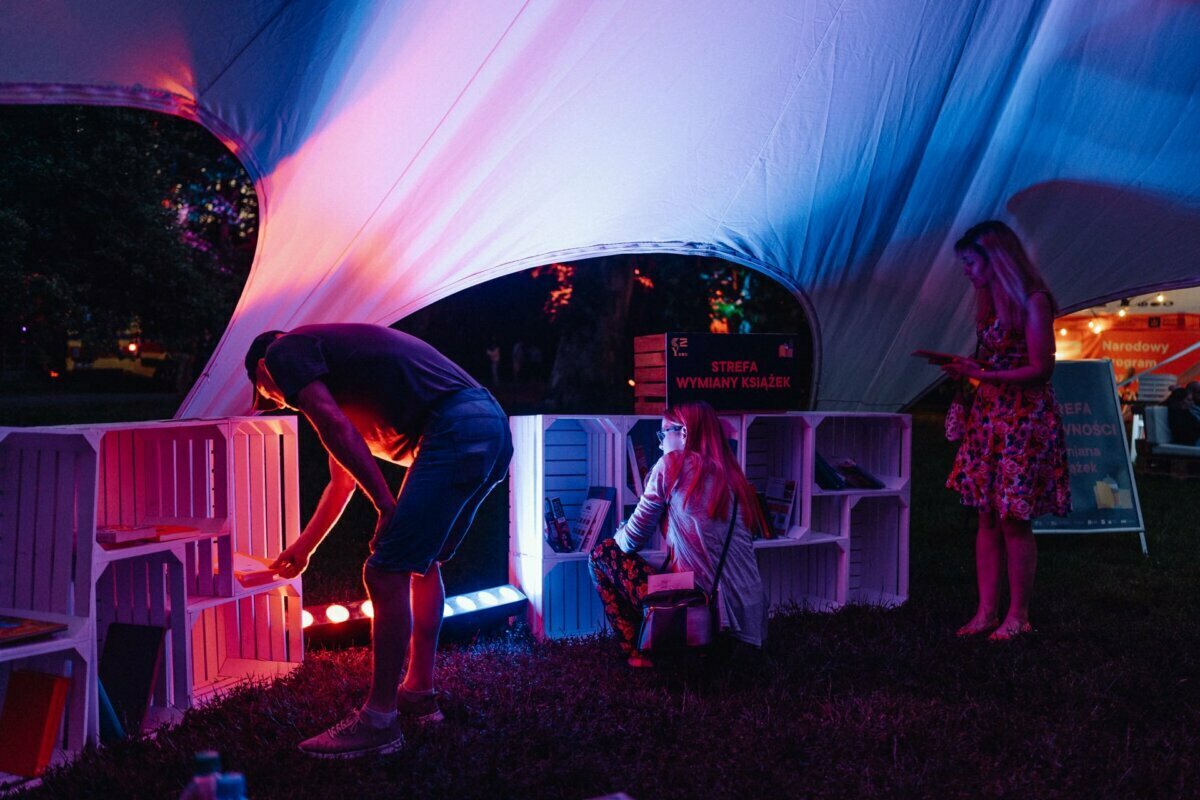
pixel 1181 417
pixel 374 391
pixel 1193 390
pixel 1012 463
pixel 690 494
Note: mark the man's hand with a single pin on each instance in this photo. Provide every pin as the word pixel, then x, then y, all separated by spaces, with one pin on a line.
pixel 385 518
pixel 292 561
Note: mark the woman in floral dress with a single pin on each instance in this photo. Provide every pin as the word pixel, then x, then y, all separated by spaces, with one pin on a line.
pixel 1012 463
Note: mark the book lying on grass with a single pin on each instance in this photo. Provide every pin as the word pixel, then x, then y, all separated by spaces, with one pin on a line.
pixel 253 570
pixel 123 534
pixel 21 629
pixel 780 497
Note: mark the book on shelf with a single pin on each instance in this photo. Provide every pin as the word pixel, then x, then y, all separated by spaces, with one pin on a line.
pixel 558 530
pixel 29 721
pixel 780 497
pixel 844 473
pixel 826 476
pixel 168 533
pixel 595 517
pixel 253 570
pixel 21 629
pixel 857 477
pixel 634 476
pixel 123 534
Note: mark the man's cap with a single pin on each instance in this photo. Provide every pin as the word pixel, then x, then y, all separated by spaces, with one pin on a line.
pixel 258 351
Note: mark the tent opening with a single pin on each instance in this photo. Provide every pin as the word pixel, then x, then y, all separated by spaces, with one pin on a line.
pixel 127 239
pixel 558 338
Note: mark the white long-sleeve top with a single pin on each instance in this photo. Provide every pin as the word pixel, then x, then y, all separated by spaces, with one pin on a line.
pixel 694 541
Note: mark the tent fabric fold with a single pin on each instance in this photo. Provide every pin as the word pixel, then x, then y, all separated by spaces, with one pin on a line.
pixel 404 151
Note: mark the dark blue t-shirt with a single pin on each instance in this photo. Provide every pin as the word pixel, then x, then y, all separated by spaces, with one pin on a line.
pixel 385 381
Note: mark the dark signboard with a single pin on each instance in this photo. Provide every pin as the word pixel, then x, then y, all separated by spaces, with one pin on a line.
pixel 739 372
pixel 1103 493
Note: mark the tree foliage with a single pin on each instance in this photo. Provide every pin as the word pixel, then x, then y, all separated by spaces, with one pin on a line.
pixel 116 218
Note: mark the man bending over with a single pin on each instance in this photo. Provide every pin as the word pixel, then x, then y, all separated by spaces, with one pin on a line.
pixel 373 391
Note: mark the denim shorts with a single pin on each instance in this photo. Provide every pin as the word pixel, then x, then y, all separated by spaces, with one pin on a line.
pixel 462 455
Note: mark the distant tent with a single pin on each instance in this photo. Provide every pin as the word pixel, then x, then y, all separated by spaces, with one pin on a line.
pixel 404 151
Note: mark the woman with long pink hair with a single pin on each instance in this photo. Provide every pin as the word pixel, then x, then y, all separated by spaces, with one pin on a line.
pixel 1012 463
pixel 690 494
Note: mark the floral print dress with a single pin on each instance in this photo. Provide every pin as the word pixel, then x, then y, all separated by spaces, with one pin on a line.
pixel 1013 456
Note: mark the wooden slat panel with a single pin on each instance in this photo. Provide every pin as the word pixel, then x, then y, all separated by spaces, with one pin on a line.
pixel 256 531
pixel 70 528
pixel 180 479
pixel 246 638
pixel 10 511
pixel 204 567
pixel 30 495
pixel 240 486
pixel 291 491
pixel 200 492
pixel 48 539
pixel 261 623
pixel 276 625
pixel 127 477
pixel 273 503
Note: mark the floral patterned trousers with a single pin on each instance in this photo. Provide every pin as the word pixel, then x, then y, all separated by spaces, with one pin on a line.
pixel 621 578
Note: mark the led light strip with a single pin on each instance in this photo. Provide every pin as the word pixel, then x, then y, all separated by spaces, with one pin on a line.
pixel 456 606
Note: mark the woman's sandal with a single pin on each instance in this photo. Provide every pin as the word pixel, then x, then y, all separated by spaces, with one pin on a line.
pixel 974 628
pixel 1006 633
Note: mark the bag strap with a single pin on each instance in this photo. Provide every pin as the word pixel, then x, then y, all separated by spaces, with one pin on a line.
pixel 724 551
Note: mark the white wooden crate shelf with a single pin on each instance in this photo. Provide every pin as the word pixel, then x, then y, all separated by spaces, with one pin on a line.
pixel 235 481
pixel 847 546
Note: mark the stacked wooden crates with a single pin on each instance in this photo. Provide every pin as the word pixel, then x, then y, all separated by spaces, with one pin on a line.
pixel 840 546
pixel 229 487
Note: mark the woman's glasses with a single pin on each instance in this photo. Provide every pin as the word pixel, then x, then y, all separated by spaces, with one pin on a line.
pixel 662 434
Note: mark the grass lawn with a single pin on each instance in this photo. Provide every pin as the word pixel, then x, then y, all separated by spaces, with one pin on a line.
pixel 1102 701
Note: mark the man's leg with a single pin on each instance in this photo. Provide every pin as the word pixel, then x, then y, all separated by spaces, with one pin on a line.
pixel 428 595
pixel 390 632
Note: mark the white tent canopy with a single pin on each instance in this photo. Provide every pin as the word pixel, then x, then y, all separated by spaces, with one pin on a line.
pixel 403 151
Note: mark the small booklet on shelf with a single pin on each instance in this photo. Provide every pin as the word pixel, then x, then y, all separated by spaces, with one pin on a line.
pixel 558 530
pixel 20 629
pixel 857 477
pixel 169 533
pixel 780 497
pixel 826 476
pixel 123 534
pixel 844 473
pixel 253 570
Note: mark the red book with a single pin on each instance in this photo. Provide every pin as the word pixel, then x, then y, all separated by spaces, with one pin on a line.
pixel 33 709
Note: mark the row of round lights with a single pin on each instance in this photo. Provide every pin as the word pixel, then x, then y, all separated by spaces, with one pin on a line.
pixel 337 613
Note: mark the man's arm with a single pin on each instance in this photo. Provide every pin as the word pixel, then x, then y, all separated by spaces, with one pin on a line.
pixel 344 443
pixel 294 560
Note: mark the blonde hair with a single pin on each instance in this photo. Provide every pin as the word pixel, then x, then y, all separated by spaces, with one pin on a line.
pixel 1014 276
